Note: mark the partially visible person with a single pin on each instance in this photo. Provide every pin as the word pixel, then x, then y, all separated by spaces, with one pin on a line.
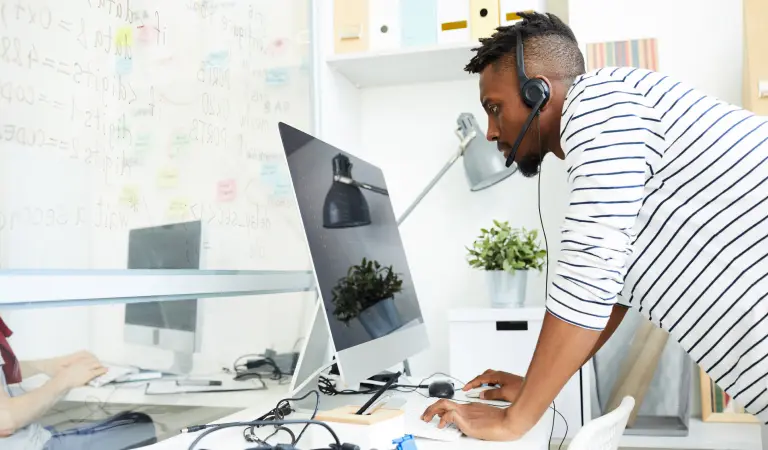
pixel 20 410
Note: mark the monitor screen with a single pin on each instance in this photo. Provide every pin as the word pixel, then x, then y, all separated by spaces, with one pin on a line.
pixel 354 241
pixel 173 246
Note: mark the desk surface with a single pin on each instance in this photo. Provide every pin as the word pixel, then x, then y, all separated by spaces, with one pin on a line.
pixel 536 439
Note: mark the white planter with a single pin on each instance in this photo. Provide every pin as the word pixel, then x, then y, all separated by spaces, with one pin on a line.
pixel 507 290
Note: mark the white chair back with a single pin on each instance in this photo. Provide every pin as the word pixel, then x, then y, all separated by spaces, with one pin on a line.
pixel 604 433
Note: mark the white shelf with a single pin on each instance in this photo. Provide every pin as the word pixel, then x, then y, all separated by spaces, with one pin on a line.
pixel 406 66
pixel 701 435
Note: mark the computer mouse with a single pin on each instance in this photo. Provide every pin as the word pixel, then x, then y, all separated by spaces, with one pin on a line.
pixel 441 389
pixel 247 375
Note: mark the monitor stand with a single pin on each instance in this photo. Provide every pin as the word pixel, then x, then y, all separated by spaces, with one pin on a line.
pixel 317 355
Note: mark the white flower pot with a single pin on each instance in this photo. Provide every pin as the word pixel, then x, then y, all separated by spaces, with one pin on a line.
pixel 507 290
pixel 381 319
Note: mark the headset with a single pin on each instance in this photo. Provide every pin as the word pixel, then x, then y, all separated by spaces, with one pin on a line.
pixel 535 94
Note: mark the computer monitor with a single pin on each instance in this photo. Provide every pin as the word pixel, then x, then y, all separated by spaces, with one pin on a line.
pixel 171 326
pixel 368 301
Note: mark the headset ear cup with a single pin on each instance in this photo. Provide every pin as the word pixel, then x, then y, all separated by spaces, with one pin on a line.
pixel 535 90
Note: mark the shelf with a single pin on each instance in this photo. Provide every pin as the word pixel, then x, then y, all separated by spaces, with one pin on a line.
pixel 702 435
pixel 41 288
pixel 406 66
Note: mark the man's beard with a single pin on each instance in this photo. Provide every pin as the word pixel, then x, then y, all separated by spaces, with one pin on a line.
pixel 530 164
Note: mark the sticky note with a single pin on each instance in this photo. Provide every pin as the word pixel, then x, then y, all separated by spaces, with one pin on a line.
pixel 123 65
pixel 218 59
pixel 178 209
pixel 277 76
pixel 129 196
pixel 226 190
pixel 167 178
pixel 124 36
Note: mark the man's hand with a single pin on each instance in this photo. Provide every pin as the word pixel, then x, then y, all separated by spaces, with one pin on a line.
pixel 509 385
pixel 474 419
pixel 54 366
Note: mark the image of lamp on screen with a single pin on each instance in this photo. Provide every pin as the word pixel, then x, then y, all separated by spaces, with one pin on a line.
pixel 367 293
pixel 345 205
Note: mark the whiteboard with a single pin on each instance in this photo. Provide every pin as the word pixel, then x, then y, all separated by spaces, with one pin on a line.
pixel 124 114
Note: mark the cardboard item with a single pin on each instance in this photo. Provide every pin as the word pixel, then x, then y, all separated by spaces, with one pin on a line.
pixel 376 430
pixel 484 18
pixel 350 26
pixel 638 368
pixel 452 21
pixel 384 24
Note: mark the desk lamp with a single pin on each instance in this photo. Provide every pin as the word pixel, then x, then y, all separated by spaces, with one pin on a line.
pixel 345 206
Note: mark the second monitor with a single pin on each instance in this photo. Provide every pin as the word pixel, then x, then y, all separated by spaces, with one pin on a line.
pixel 362 274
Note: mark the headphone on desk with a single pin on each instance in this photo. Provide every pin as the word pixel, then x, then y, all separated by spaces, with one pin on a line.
pixel 535 94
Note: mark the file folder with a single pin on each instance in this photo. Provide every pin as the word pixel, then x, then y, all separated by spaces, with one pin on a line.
pixel 350 26
pixel 484 18
pixel 510 8
pixel 384 24
pixel 453 21
pixel 418 19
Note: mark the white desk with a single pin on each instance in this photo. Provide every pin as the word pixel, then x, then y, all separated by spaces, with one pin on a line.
pixel 536 439
pixel 133 394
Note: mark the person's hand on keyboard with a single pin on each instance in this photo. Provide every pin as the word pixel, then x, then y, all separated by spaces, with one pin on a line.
pixel 53 366
pixel 476 420
pixel 509 385
pixel 79 373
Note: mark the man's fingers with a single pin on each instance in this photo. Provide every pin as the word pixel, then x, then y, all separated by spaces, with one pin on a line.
pixel 478 381
pixel 433 409
pixel 492 394
pixel 447 419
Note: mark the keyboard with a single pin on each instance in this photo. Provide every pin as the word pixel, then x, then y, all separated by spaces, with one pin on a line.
pixel 113 374
pixel 427 430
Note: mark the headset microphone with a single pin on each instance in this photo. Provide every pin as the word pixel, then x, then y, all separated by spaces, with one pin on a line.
pixel 534 92
pixel 526 125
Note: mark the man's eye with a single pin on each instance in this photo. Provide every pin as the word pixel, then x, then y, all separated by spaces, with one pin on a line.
pixel 493 109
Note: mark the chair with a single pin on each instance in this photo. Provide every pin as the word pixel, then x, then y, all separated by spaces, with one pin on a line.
pixel 604 433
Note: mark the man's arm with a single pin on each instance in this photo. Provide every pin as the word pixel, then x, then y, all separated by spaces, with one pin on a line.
pixel 617 315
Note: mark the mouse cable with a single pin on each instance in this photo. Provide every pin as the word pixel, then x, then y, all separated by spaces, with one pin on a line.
pixel 210 428
pixel 552 431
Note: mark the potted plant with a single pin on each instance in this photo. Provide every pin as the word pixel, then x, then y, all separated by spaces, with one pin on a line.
pixel 506 254
pixel 368 293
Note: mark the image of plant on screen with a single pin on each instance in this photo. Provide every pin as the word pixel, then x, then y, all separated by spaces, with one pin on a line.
pixel 366 285
pixel 502 247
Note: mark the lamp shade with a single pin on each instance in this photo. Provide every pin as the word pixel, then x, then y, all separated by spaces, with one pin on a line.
pixel 483 163
pixel 345 205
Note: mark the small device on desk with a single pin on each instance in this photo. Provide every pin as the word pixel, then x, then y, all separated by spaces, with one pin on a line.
pixel 441 389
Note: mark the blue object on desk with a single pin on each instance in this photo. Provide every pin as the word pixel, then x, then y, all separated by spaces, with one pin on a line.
pixel 405 443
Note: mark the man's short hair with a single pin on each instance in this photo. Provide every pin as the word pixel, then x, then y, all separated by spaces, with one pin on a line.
pixel 550 47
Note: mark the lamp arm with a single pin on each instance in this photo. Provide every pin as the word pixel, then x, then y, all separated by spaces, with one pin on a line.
pixel 350 181
pixel 465 140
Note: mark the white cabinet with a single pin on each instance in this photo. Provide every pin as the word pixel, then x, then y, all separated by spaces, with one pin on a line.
pixel 504 339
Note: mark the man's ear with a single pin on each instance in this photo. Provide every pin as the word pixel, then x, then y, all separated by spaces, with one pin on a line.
pixel 550 86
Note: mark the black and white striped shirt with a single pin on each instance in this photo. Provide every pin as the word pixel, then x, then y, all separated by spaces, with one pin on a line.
pixel 668 214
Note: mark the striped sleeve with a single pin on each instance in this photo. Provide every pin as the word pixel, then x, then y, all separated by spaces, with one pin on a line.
pixel 612 143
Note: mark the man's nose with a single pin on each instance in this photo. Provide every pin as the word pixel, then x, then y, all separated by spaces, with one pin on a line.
pixel 492 134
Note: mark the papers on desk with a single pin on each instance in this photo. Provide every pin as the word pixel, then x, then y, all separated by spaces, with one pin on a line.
pixel 164 387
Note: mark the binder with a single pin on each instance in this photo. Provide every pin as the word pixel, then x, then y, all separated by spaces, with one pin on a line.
pixel 384 24
pixel 453 21
pixel 484 18
pixel 350 26
pixel 418 21
pixel 510 8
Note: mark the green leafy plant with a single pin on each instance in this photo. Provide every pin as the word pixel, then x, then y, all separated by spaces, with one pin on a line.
pixel 365 285
pixel 505 248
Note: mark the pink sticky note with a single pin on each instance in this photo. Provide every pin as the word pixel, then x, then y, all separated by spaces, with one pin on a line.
pixel 226 190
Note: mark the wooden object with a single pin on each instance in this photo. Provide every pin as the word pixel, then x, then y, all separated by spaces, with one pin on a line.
pixel 755 55
pixel 711 412
pixel 638 367
pixel 375 430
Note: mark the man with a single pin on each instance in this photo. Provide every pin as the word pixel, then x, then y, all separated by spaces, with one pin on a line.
pixel 668 214
pixel 19 409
